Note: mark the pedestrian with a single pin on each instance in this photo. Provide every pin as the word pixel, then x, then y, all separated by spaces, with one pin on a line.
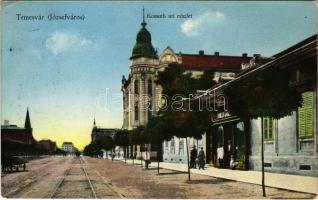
pixel 147 159
pixel 193 156
pixel 113 155
pixel 201 158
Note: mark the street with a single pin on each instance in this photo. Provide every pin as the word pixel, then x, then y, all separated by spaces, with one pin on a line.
pixel 71 177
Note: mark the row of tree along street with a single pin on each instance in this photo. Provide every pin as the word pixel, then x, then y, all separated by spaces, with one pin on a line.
pixel 16 154
pixel 245 96
pixel 17 149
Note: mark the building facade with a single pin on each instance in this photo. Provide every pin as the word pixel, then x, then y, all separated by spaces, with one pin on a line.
pixel 142 97
pixel 49 145
pixel 98 133
pixel 225 67
pixel 69 148
pixel 290 143
pixel 17 134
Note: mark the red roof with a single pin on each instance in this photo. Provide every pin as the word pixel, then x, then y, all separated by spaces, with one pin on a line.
pixel 202 62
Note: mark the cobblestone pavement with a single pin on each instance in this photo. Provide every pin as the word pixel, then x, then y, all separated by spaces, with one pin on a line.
pixel 68 177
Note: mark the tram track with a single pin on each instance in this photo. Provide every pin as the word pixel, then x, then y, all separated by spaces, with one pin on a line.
pixel 75 178
pixel 28 180
pixel 78 170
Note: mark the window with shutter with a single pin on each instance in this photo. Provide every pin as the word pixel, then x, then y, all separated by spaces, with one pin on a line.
pixel 305 116
pixel 268 128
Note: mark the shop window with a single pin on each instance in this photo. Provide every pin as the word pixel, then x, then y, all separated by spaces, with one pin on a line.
pixel 305 116
pixel 239 140
pixel 268 128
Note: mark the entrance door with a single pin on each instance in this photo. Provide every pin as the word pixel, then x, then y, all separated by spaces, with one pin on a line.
pixel 220 145
pixel 239 144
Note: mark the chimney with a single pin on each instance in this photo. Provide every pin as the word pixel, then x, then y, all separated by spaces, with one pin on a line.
pixel 244 54
pixel 201 52
pixel 6 122
pixel 216 53
pixel 257 58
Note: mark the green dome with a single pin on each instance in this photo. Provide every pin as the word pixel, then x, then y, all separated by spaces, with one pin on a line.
pixel 143 46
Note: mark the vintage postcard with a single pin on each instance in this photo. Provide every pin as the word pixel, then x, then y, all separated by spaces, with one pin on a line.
pixel 159 99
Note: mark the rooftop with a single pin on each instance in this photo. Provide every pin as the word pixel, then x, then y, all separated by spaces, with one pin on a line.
pixel 202 61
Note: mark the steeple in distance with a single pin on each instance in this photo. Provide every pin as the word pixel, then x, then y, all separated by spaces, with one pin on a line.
pixel 94 123
pixel 27 124
pixel 143 24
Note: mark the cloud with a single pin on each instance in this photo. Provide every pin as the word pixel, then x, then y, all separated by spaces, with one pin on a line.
pixel 60 41
pixel 193 27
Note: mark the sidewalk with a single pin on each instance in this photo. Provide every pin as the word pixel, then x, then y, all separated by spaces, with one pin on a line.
pixel 290 182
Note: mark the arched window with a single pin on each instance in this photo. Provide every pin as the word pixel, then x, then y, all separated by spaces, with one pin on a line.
pixel 149 87
pixel 136 86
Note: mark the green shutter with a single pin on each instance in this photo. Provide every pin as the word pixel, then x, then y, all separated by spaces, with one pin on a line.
pixel 265 127
pixel 309 122
pixel 302 123
pixel 270 128
pixel 305 116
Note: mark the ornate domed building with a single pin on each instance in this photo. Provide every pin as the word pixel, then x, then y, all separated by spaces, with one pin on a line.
pixel 139 89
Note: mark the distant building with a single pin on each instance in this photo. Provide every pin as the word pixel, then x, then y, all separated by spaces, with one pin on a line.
pixel 68 147
pixel 49 145
pixel 17 134
pixel 98 132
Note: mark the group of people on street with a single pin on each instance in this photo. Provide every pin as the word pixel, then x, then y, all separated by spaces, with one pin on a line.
pixel 196 159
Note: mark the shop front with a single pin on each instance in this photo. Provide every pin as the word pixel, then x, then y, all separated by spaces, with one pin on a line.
pixel 227 143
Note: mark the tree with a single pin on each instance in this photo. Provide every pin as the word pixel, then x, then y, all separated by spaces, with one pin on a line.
pixel 188 124
pixel 184 122
pixel 136 138
pixel 91 150
pixel 121 139
pixel 157 130
pixel 105 143
pixel 59 151
pixel 265 94
pixel 140 139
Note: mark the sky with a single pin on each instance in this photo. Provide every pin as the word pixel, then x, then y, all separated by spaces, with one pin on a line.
pixel 68 72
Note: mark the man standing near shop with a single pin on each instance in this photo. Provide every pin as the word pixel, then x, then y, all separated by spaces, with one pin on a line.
pixel 193 156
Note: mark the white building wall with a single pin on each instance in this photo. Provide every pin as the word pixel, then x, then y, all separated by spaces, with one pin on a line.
pixel 286 153
pixel 174 154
